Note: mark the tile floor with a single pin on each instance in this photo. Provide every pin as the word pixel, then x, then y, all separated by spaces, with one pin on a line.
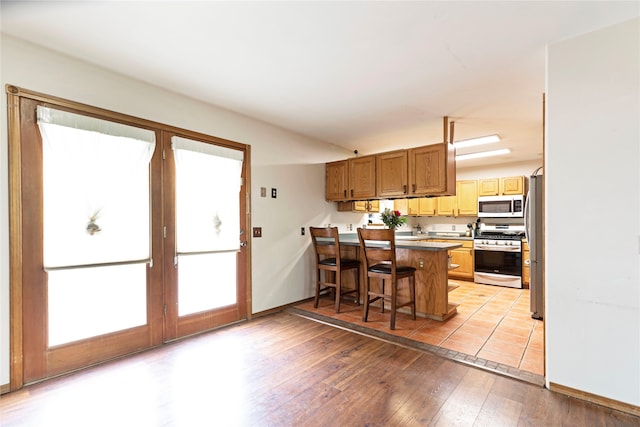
pixel 493 324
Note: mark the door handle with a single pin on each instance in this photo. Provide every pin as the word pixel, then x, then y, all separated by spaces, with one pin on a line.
pixel 243 244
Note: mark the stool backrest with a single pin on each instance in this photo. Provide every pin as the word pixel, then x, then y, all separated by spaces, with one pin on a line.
pixel 378 245
pixel 325 243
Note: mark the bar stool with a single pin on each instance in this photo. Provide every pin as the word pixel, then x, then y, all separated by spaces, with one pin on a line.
pixel 327 248
pixel 378 248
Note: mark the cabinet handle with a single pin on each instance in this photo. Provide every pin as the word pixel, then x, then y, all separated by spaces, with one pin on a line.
pixel 404 189
pixel 413 188
pixel 345 194
pixel 352 192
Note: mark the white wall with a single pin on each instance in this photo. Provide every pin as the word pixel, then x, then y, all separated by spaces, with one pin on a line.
pixel 593 213
pixel 280 159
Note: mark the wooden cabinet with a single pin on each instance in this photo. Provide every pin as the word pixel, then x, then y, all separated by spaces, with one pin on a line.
pixel 422 171
pixel 446 206
pixel 526 269
pixel 462 257
pixel 489 187
pixel 337 180
pixel 467 198
pixel 401 205
pixel 362 178
pixel 432 170
pixel 364 206
pixel 512 185
pixel 391 174
pixel 427 206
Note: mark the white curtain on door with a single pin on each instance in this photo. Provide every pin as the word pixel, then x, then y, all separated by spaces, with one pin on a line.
pixel 208 179
pixel 96 189
pixel 96 202
pixel 208 183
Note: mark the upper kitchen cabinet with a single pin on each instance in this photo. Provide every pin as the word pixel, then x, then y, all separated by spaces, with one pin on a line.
pixel 352 179
pixel 392 174
pixel 489 187
pixel 446 206
pixel 467 195
pixel 512 185
pixel 370 206
pixel 337 181
pixel 432 170
pixel 362 178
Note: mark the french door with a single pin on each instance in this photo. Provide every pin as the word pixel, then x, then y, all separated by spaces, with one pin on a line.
pixel 124 234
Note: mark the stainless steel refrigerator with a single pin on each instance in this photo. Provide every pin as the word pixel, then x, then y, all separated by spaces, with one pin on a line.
pixel 534 234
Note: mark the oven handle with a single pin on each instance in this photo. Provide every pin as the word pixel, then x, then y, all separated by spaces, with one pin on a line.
pixel 497 249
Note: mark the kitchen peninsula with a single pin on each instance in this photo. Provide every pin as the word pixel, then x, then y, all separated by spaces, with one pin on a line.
pixel 430 260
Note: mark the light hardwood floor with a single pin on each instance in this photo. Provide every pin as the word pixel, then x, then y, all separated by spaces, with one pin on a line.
pixel 285 370
pixel 493 323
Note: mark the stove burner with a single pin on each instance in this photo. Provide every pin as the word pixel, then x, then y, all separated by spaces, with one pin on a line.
pixel 500 236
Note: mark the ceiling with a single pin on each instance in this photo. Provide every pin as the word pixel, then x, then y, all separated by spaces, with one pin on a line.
pixel 368 76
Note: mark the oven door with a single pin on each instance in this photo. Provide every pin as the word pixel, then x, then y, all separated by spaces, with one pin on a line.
pixel 498 267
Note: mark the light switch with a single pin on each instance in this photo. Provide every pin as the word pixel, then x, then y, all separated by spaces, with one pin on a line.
pixel 257 231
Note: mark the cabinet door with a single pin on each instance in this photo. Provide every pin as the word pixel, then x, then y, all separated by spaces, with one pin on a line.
pixel 414 207
pixel 432 170
pixel 512 185
pixel 361 206
pixel 446 206
pixel 401 205
pixel 391 174
pixel 427 206
pixel 337 180
pixel 362 178
pixel 467 194
pixel 373 206
pixel 489 187
pixel 464 258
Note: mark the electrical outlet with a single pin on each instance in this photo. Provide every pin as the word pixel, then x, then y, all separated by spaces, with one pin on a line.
pixel 257 231
pixel 421 263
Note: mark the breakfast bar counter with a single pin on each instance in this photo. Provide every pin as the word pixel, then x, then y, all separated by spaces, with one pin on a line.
pixel 431 262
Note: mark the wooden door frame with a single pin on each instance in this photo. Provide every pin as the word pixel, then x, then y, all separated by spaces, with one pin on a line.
pixel 16 212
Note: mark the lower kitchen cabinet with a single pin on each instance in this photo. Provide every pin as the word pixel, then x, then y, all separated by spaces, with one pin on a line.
pixel 463 257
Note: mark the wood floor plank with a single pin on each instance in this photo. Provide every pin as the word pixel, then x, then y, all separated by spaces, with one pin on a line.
pixel 285 370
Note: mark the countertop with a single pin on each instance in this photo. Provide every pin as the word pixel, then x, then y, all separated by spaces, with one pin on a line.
pixel 407 242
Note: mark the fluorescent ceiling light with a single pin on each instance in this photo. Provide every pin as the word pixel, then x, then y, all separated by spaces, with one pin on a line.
pixel 476 141
pixel 483 154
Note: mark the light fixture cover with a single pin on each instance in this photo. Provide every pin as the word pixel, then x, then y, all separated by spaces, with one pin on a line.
pixel 477 141
pixel 481 154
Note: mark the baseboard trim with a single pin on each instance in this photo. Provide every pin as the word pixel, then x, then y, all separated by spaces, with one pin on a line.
pixel 594 398
pixel 5 388
pixel 279 308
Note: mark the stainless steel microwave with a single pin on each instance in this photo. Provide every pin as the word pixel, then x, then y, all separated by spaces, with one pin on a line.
pixel 501 206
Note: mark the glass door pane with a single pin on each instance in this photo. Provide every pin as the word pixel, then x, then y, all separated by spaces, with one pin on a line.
pixel 207 281
pixel 87 302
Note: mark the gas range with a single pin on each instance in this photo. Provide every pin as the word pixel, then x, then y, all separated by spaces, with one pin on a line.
pixel 499 237
pixel 498 255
